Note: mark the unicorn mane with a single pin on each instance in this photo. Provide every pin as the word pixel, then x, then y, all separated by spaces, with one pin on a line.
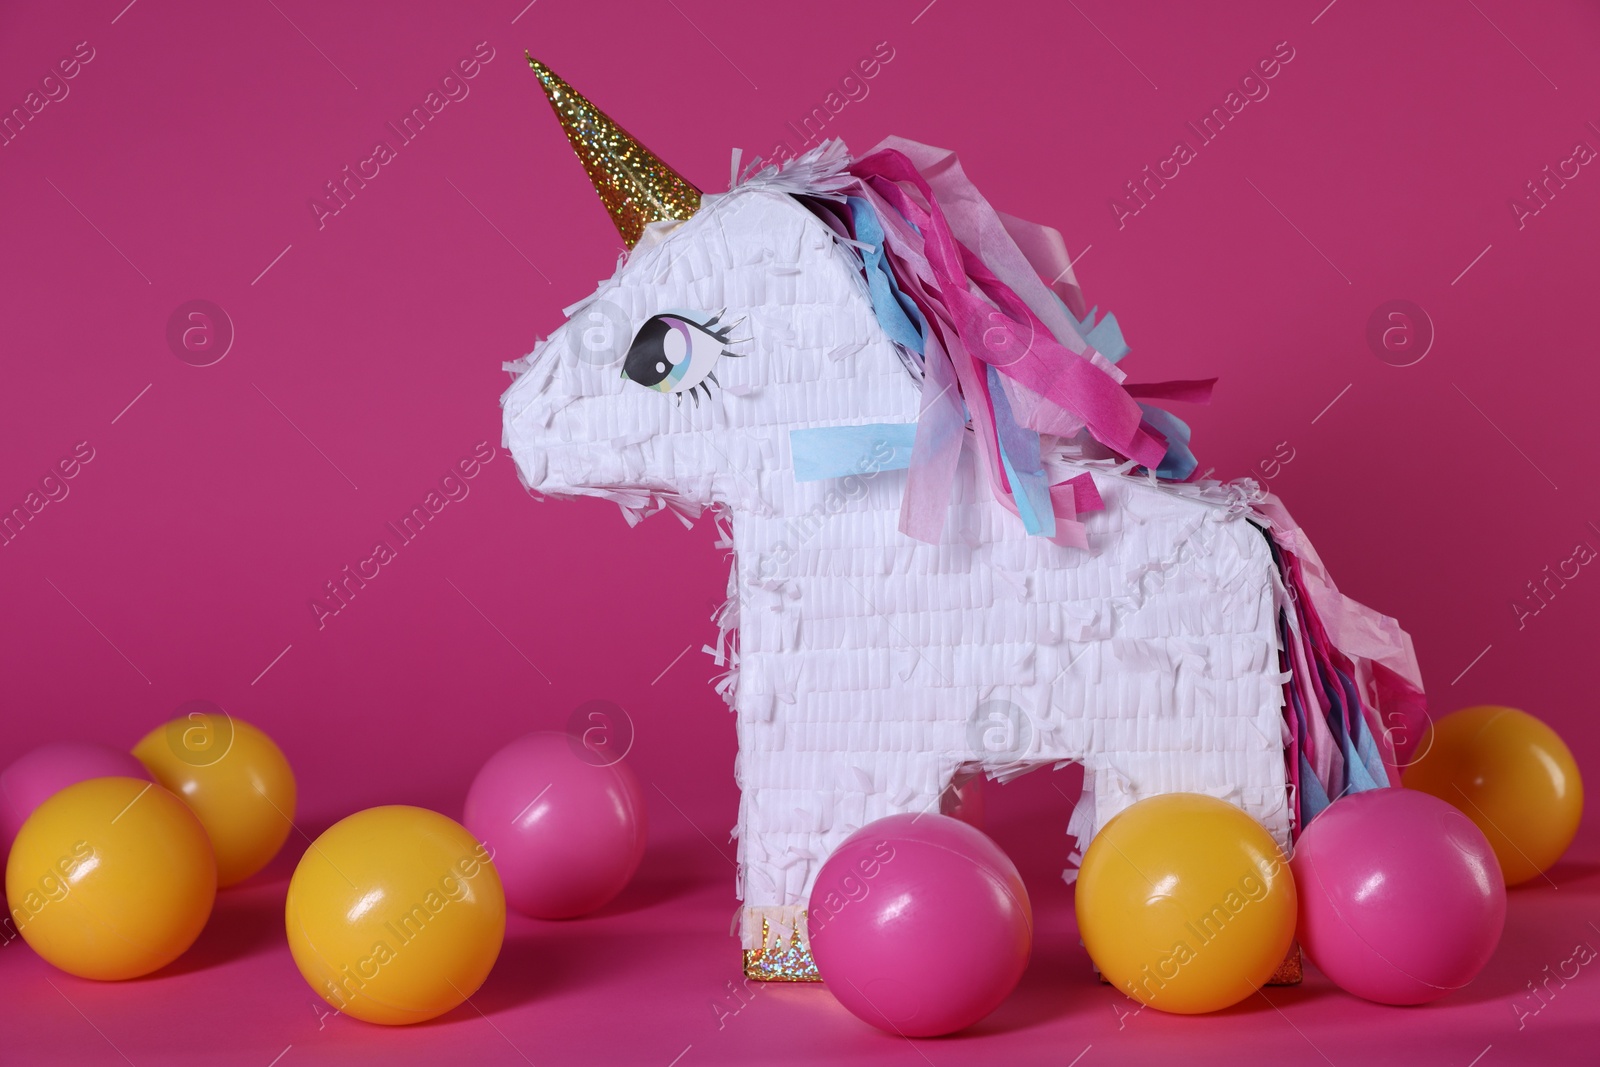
pixel 989 319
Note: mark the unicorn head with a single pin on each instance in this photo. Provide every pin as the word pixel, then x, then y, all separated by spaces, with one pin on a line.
pixel 679 380
pixel 732 318
pixel 822 318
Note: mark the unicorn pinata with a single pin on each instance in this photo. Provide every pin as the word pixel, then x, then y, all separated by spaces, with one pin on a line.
pixel 963 541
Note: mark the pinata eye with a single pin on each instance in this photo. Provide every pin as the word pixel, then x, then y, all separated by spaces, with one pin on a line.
pixel 672 353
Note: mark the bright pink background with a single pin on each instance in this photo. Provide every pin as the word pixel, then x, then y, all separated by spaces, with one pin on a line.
pixel 182 562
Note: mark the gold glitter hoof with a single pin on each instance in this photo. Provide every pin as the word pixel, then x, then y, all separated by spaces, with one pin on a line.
pixel 793 964
pixel 1290 971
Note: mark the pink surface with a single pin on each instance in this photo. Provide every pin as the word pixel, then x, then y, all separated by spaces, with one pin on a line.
pixel 1401 899
pixel 186 516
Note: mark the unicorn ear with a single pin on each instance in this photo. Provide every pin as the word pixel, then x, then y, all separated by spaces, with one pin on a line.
pixel 636 187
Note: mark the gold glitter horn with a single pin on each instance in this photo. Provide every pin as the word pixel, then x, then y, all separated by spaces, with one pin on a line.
pixel 636 187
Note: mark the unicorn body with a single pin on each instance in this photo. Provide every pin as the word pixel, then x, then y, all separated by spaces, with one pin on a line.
pixel 960 543
pixel 873 668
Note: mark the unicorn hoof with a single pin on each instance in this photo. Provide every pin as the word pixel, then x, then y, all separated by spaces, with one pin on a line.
pixel 792 963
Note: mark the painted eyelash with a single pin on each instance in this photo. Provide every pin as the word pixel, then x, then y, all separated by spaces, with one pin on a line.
pixel 721 333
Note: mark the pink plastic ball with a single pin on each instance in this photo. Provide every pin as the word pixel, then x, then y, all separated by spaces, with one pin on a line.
pixel 47 770
pixel 1401 898
pixel 566 832
pixel 920 924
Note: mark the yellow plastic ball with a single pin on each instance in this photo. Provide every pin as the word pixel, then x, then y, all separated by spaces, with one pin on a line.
pixel 1185 903
pixel 395 915
pixel 236 780
pixel 1512 776
pixel 111 878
